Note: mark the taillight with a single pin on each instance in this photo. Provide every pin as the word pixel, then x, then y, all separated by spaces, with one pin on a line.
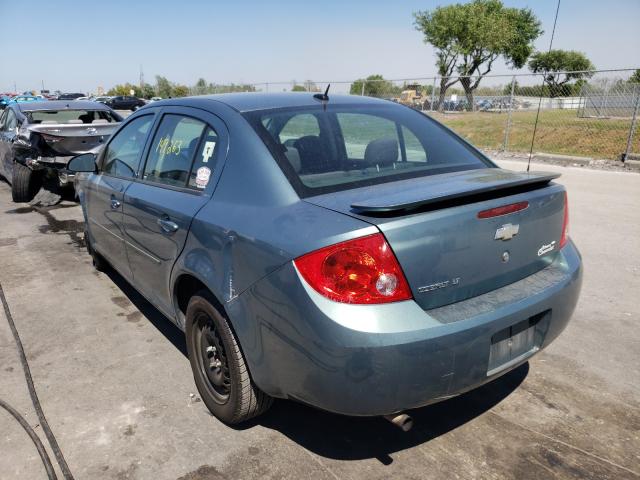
pixel 503 210
pixel 363 270
pixel 565 222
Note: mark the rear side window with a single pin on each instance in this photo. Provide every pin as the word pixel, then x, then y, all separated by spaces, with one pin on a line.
pixel 125 148
pixel 182 153
pixel 340 147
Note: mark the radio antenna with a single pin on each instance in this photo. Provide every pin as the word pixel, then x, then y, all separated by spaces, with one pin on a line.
pixel 535 125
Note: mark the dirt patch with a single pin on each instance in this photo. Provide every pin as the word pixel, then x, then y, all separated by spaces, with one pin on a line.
pixel 8 242
pixel 205 472
pixel 122 302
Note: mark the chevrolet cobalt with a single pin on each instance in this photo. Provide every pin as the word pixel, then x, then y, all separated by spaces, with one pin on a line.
pixel 346 252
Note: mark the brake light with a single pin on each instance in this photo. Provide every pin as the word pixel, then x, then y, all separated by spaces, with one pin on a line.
pixel 503 210
pixel 565 222
pixel 361 271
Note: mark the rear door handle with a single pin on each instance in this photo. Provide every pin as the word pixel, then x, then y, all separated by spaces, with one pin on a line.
pixel 167 225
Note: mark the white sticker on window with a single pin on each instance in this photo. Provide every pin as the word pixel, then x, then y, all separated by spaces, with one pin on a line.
pixel 202 177
pixel 207 152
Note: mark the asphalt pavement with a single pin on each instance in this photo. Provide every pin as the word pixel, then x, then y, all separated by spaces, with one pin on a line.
pixel 115 384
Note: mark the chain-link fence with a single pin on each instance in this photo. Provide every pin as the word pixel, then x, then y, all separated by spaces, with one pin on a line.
pixel 588 114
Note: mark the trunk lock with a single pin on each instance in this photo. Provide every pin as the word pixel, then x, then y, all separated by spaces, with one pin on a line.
pixel 505 256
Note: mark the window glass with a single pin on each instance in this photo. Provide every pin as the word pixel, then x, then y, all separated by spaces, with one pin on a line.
pixel 63 116
pixel 350 146
pixel 359 130
pixel 299 126
pixel 172 151
pixel 413 148
pixel 10 123
pixel 124 150
pixel 3 118
pixel 205 160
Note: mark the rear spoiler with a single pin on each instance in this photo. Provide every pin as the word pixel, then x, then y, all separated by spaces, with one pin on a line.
pixel 453 192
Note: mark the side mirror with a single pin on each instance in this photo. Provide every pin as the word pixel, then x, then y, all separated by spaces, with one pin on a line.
pixel 83 163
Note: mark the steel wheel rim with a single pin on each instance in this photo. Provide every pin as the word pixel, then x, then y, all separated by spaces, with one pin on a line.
pixel 212 359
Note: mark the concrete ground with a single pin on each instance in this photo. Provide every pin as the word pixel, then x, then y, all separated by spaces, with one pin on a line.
pixel 116 386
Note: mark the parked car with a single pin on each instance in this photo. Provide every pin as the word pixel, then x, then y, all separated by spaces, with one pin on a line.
pixel 4 101
pixel 37 139
pixel 83 98
pixel 155 99
pixel 125 103
pixel 101 99
pixel 70 96
pixel 343 251
pixel 27 98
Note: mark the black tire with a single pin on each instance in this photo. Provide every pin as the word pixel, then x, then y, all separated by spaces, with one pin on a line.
pixel 99 263
pixel 25 183
pixel 226 388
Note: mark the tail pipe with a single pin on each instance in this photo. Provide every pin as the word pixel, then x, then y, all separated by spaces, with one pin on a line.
pixel 401 420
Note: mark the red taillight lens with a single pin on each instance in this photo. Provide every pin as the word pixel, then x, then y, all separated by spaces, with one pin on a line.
pixel 363 270
pixel 565 222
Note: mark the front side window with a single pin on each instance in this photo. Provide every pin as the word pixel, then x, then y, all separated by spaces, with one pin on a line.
pixel 332 148
pixel 123 152
pixel 172 152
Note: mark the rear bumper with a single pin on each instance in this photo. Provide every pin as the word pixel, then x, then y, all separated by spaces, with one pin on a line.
pixel 374 360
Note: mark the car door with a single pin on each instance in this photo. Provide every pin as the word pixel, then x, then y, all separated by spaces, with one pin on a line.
pixel 8 124
pixel 118 165
pixel 177 180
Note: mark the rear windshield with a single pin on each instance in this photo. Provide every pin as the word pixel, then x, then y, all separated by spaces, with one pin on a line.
pixel 71 116
pixel 343 147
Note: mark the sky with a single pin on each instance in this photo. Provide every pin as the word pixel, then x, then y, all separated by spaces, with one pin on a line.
pixel 80 45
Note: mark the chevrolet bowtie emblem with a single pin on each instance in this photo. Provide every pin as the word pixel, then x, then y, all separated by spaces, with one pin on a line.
pixel 507 232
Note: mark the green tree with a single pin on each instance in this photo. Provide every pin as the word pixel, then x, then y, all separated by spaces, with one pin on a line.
pixel 125 89
pixel 148 91
pixel 164 88
pixel 470 37
pixel 180 90
pixel 635 78
pixel 561 67
pixel 374 86
pixel 201 87
pixel 298 88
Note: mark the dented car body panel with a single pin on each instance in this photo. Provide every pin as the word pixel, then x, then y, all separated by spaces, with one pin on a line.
pixel 239 232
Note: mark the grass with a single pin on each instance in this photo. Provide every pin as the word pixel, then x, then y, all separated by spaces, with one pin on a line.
pixel 559 131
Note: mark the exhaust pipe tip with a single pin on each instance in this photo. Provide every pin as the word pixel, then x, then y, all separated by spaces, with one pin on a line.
pixel 401 420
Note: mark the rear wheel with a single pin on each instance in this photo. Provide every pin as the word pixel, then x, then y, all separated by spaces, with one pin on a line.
pixel 99 263
pixel 25 183
pixel 218 366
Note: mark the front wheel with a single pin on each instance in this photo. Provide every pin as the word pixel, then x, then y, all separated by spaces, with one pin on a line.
pixel 25 183
pixel 218 366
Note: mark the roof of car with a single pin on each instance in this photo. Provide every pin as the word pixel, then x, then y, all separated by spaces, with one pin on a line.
pixel 61 105
pixel 245 102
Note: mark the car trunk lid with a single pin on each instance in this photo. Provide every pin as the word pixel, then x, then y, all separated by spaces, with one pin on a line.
pixel 446 251
pixel 73 139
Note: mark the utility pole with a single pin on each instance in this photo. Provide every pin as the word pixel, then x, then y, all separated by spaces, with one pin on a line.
pixel 141 78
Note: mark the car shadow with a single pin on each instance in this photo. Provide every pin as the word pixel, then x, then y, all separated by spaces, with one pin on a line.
pixel 165 326
pixel 350 438
pixel 356 438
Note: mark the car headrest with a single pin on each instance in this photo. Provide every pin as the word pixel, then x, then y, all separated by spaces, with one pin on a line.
pixel 74 121
pixel 100 120
pixel 382 151
pixel 48 122
pixel 293 156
